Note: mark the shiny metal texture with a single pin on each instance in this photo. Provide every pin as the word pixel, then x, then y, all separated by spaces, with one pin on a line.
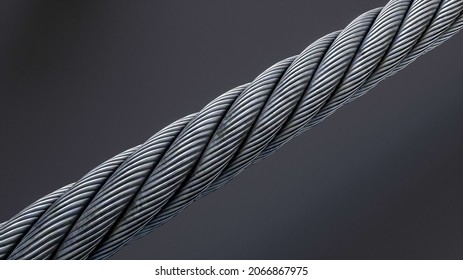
pixel 134 192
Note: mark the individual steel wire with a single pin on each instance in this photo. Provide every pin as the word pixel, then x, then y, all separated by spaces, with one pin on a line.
pixel 131 194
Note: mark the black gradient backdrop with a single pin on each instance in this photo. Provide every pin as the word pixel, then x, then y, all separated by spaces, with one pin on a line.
pixel 380 179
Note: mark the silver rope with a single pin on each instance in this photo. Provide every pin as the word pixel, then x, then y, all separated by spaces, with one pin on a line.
pixel 131 194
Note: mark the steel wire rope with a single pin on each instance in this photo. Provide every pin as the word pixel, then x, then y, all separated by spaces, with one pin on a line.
pixel 134 192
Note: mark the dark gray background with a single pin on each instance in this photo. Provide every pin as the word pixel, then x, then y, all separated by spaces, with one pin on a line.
pixel 380 179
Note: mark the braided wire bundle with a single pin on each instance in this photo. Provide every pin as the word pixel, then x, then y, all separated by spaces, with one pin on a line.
pixel 136 191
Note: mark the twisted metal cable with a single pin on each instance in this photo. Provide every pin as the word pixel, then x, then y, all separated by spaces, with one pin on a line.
pixel 131 194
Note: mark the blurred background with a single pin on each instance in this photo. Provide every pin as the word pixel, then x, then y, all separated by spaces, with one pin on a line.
pixel 382 178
